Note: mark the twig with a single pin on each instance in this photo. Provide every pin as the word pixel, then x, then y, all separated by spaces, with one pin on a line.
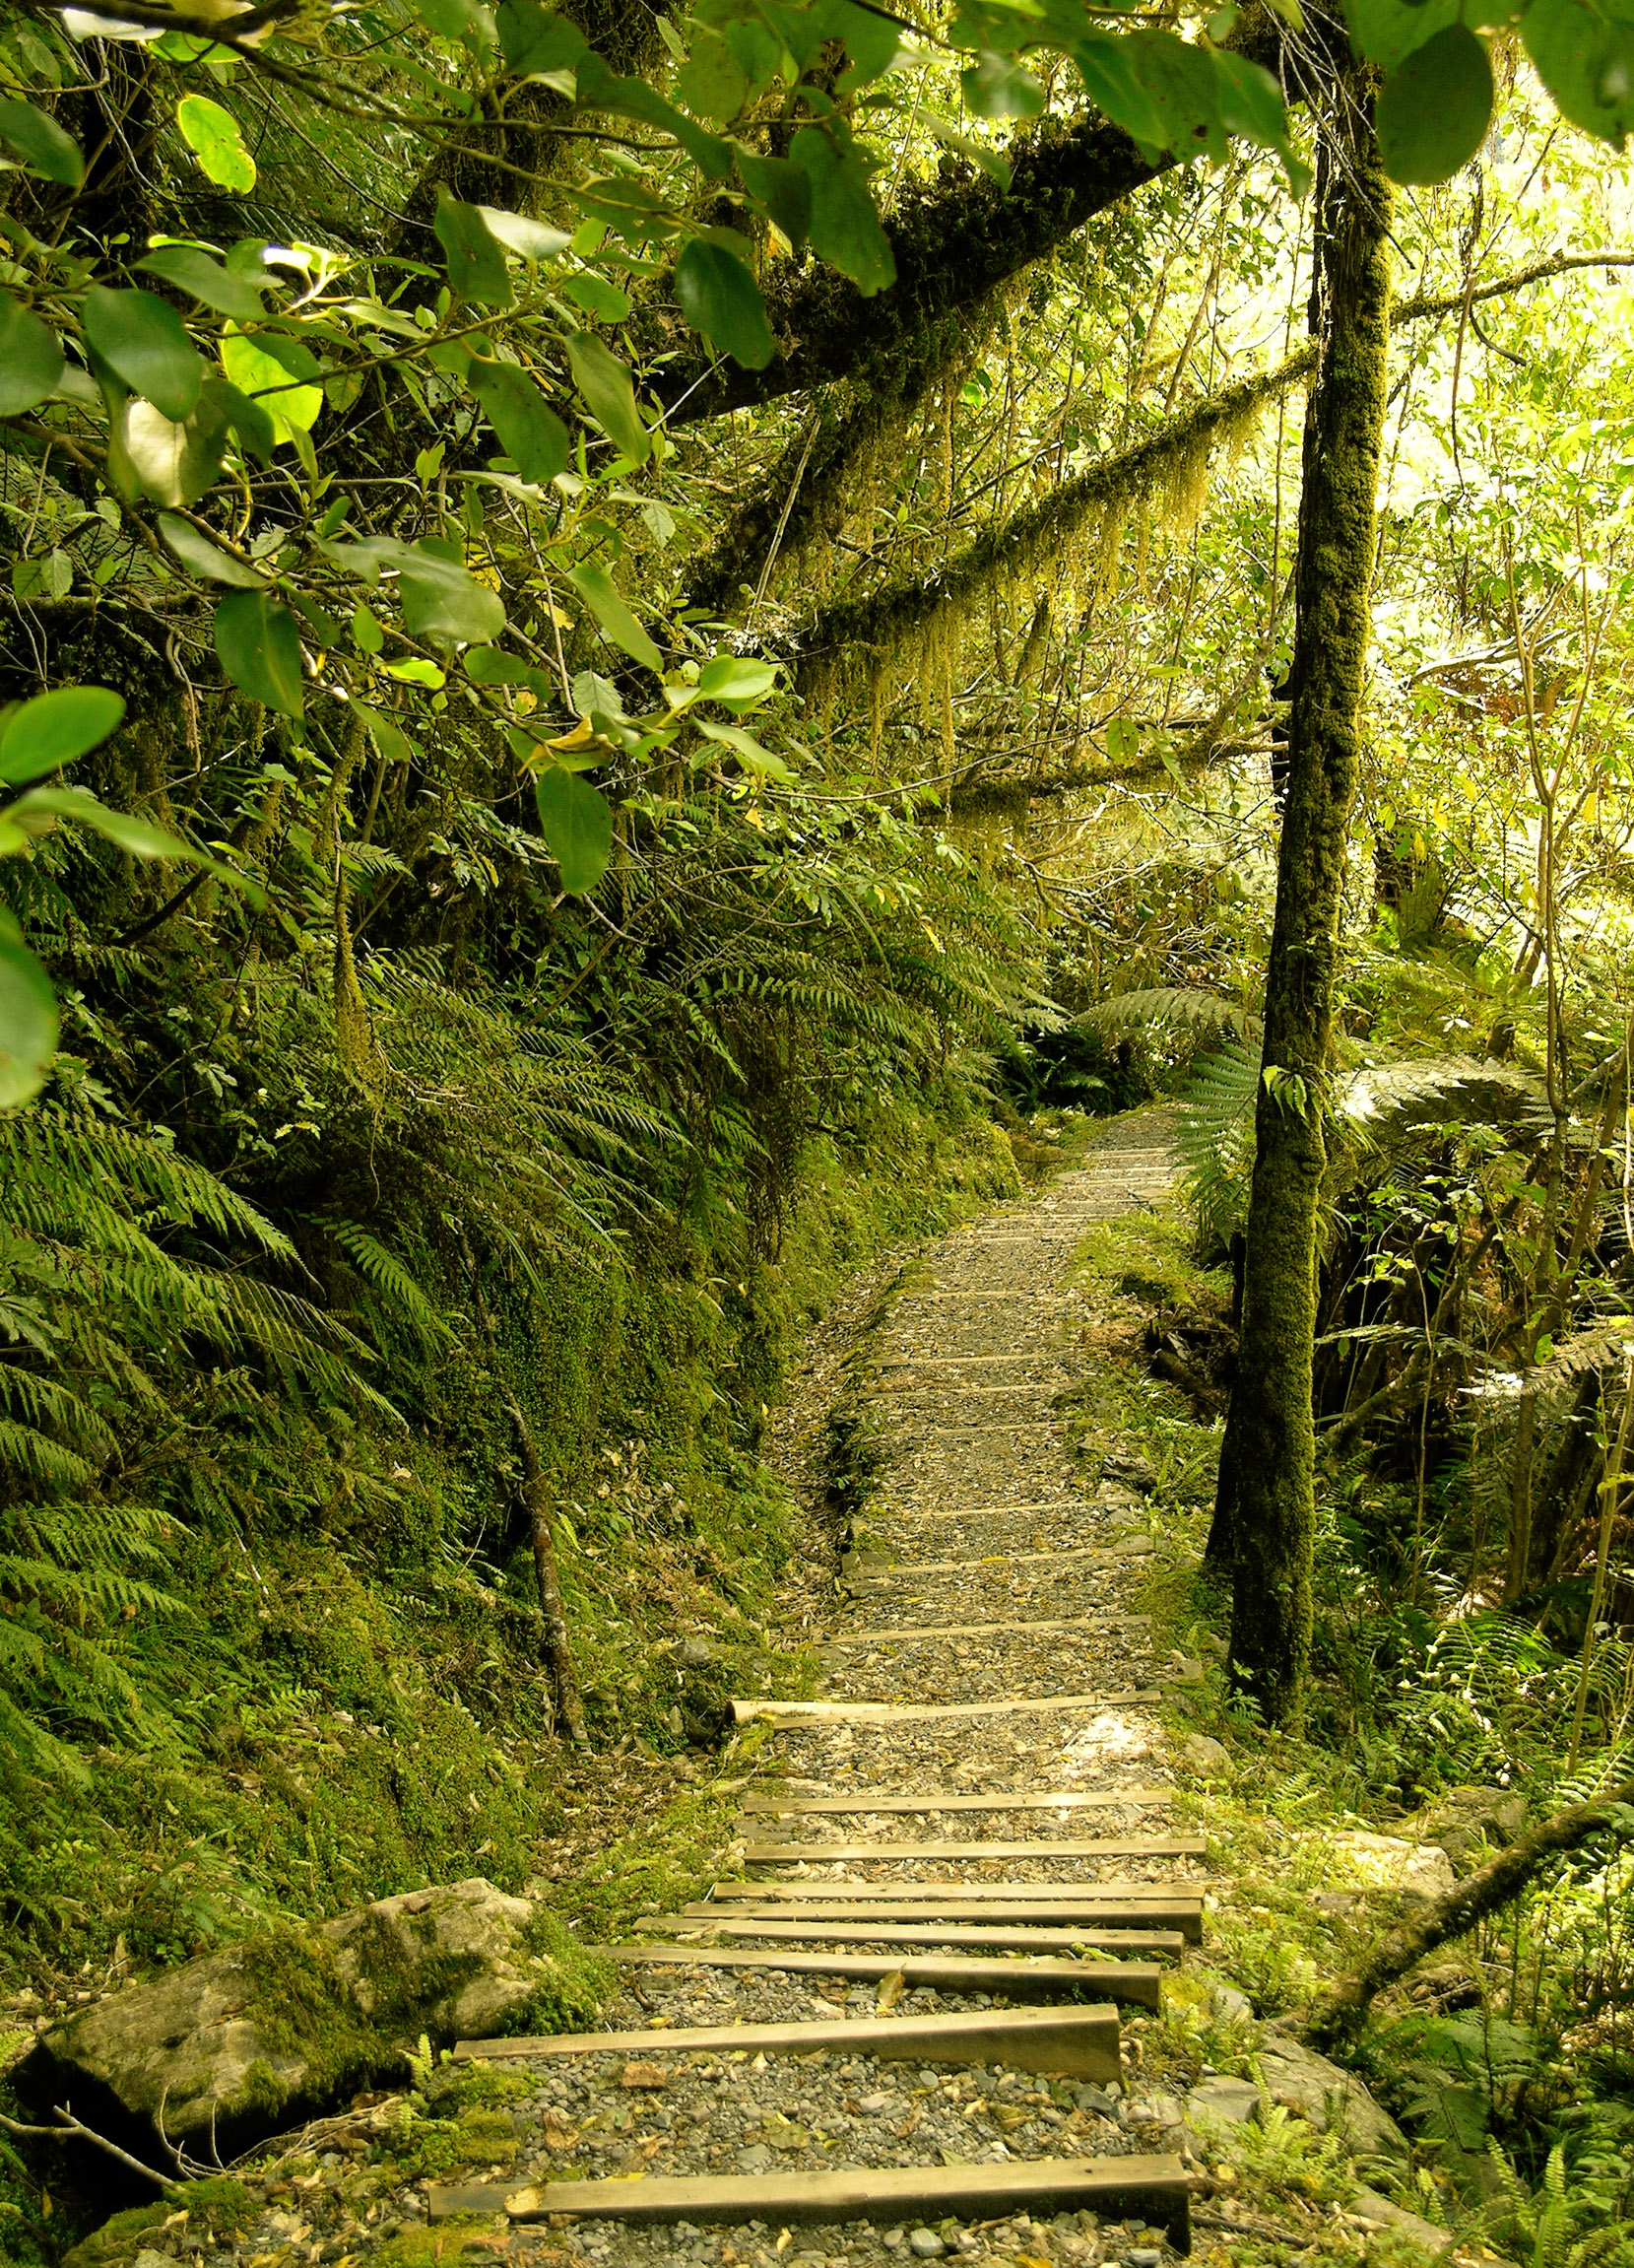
pixel 72 2126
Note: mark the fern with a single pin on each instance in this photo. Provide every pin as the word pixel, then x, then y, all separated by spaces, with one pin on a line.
pixel 407 1303
pixel 1386 1096
pixel 1172 1004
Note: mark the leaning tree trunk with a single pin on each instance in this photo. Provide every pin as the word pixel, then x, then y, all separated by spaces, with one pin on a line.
pixel 1266 1511
pixel 558 1652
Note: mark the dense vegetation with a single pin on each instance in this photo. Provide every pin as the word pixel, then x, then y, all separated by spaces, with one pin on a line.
pixel 628 634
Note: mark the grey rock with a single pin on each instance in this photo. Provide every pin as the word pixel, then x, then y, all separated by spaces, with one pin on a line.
pixel 1333 2099
pixel 1199 1753
pixel 1368 2206
pixel 1143 2256
pixel 1229 2003
pixel 694 1652
pixel 756 2159
pixel 287 2022
pixel 1233 2102
pixel 926 2244
pixel 1130 1470
pixel 1157 2110
pixel 1390 1862
pixel 1336 1902
pixel 1097 2098
pixel 1465 1818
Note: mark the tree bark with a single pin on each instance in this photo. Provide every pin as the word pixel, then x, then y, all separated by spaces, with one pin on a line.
pixel 558 1656
pixel 1489 1887
pixel 1266 1488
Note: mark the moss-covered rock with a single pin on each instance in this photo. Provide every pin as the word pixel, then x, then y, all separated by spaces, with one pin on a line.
pixel 289 2020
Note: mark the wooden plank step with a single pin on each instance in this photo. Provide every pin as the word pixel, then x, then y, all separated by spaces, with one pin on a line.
pixel 1027 1893
pixel 942 1799
pixel 980 1937
pixel 1134 1983
pixel 1076 2042
pixel 793 1712
pixel 828 1853
pixel 963 1361
pixel 908 1571
pixel 914 1633
pixel 1154 2189
pixel 971 1512
pixel 904 1902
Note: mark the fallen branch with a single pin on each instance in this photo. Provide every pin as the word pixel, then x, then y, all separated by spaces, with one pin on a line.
pixel 72 2127
pixel 1455 1915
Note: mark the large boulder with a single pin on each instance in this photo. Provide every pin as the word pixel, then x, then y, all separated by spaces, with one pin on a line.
pixel 1332 2099
pixel 1418 1870
pixel 1464 1819
pixel 290 2022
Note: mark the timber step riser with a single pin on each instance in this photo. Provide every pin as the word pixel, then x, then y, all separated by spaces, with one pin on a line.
pixel 1165 1916
pixel 1130 1984
pixel 1025 1940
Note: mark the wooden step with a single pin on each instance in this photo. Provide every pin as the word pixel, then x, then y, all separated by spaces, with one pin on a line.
pixel 794 1712
pixel 1153 2189
pixel 905 1902
pixel 943 1799
pixel 958 1361
pixel 975 1511
pixel 1076 2042
pixel 880 1570
pixel 913 1634
pixel 890 1928
pixel 829 1853
pixel 1138 1983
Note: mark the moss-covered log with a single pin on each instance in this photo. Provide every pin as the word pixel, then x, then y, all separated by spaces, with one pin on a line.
pixel 1266 1486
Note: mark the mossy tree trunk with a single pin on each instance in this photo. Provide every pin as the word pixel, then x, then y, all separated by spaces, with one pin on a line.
pixel 1265 1515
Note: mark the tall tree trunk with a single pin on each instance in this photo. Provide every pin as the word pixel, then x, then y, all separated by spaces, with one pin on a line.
pixel 559 1655
pixel 1266 1488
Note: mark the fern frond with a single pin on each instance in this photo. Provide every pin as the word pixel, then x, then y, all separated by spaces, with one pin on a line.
pixel 1172 1004
pixel 1385 1096
pixel 407 1303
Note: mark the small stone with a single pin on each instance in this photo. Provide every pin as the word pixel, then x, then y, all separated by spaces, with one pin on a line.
pixel 1234 2102
pixel 756 2159
pixel 1199 1753
pixel 1145 2256
pixel 926 2244
pixel 695 1653
pixel 1230 2003
pixel 644 2075
pixel 1336 1902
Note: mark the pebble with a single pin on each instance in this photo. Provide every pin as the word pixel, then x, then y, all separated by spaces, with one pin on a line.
pixel 926 2244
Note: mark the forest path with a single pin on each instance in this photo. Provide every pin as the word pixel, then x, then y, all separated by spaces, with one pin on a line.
pixel 958 1860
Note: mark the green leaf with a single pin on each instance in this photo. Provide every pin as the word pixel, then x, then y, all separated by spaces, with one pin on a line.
pixel 138 837
pixel 608 391
pixel 54 728
pixel 735 682
pixel 150 456
pixel 872 40
pixel 1586 60
pixel 997 86
pixel 748 752
pixel 577 824
pixel 530 241
pixel 265 379
pixel 601 595
pixel 144 344
pixel 528 430
pixel 783 189
pixel 712 82
pixel 392 743
pixel 533 38
pixel 211 134
pixel 720 298
pixel 416 672
pixel 1388 31
pixel 597 297
pixel 258 645
pixel 28 1024
pixel 1123 739
pixel 189 270
pixel 463 20
pixel 30 360
pixel 993 163
pixel 40 142
pixel 599 89
pixel 201 557
pixel 1434 109
pixel 442 599
pixel 846 231
pixel 476 264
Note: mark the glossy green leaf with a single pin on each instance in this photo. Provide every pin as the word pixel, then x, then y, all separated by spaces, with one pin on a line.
pixel 32 139
pixel 201 557
pixel 211 134
pixel 748 752
pixel 1388 31
pixel 30 360
pixel 138 837
pixel 577 824
pixel 1584 57
pixel 54 728
pixel 712 82
pixel 258 645
pixel 993 163
pixel 476 264
pixel 29 1024
pixel 528 430
pixel 441 599
pixel 596 296
pixel 143 343
pixel 532 241
pixel 1433 112
pixel 601 595
pixel 533 38
pixel 846 229
pixel 720 298
pixel 151 456
pixel 997 86
pixel 609 395
pixel 389 739
pixel 783 188
pixel 188 269
pixel 264 377
pixel 735 682
pixel 630 98
pixel 417 672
